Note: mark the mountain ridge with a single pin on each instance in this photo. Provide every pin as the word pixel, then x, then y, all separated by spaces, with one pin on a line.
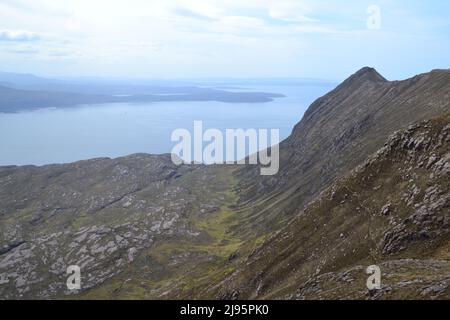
pixel 338 131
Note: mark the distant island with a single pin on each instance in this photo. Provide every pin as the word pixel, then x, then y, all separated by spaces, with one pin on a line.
pixel 19 92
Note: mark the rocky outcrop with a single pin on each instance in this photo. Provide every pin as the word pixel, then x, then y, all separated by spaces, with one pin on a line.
pixel 99 215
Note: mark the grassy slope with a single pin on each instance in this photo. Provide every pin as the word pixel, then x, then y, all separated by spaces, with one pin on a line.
pixel 174 268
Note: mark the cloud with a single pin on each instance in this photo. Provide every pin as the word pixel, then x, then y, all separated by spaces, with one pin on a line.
pixel 191 14
pixel 201 8
pixel 28 50
pixel 18 35
pixel 195 37
pixel 241 22
pixel 143 45
pixel 291 11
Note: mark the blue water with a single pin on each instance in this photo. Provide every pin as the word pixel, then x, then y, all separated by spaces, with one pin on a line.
pixel 111 130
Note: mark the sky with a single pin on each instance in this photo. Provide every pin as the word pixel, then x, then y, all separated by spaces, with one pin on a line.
pixel 223 38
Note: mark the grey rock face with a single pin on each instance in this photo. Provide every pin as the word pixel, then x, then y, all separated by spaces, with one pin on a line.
pixel 97 214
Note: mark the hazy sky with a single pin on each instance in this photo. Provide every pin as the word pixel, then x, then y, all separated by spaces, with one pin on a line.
pixel 216 38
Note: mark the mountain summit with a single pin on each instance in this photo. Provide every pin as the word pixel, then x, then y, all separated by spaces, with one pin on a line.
pixel 366 74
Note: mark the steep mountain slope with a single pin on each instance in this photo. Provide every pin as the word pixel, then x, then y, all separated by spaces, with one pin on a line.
pixel 336 134
pixel 392 211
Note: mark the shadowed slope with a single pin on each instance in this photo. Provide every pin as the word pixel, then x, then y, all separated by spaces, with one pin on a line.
pixel 393 211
